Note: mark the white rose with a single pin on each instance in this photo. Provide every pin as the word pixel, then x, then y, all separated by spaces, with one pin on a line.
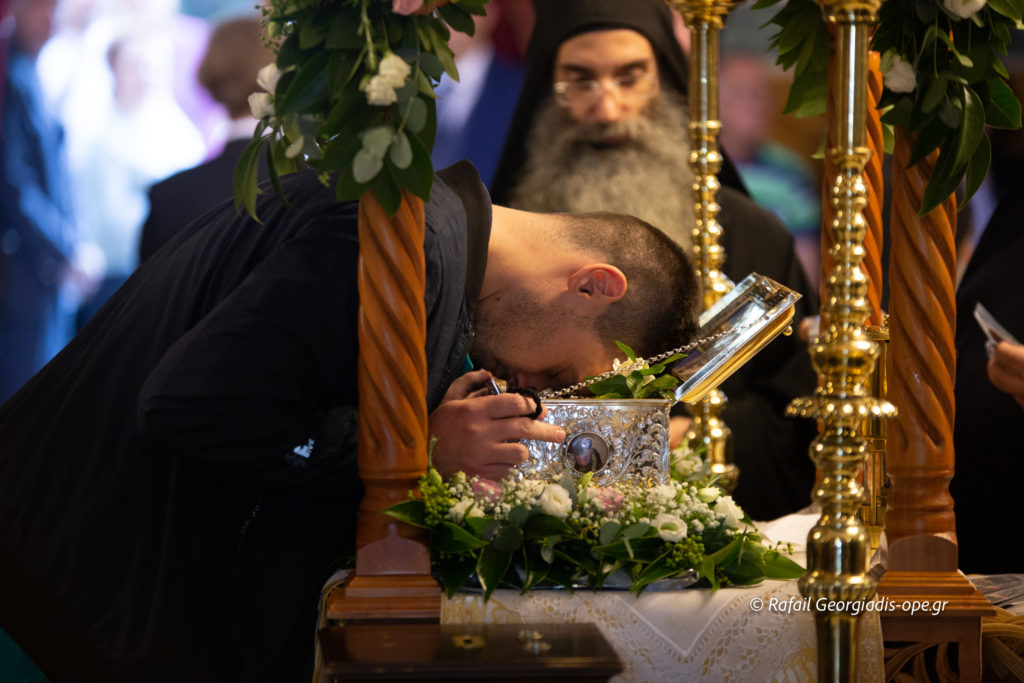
pixel 670 528
pixel 465 508
pixel 380 93
pixel 729 512
pixel 394 70
pixel 709 494
pixel 261 105
pixel 268 76
pixel 963 8
pixel 897 73
pixel 555 501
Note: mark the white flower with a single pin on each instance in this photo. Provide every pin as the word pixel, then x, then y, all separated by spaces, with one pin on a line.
pixel 709 494
pixel 963 8
pixel 261 105
pixel 897 73
pixel 555 501
pixel 466 507
pixel 662 494
pixel 394 70
pixel 729 512
pixel 295 149
pixel 670 527
pixel 268 76
pixel 380 93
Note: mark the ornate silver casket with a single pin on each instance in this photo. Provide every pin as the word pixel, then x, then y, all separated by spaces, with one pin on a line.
pixel 624 441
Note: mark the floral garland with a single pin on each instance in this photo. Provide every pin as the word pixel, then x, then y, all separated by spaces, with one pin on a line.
pixel 351 94
pixel 943 76
pixel 527 533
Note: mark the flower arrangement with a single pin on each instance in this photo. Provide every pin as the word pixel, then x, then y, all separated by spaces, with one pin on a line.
pixel 527 533
pixel 943 77
pixel 351 94
pixel 635 378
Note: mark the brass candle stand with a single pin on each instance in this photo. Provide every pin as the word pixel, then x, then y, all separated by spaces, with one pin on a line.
pixel 705 19
pixel 838 547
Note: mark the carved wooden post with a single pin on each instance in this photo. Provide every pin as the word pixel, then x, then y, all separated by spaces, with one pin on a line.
pixel 392 577
pixel 920 523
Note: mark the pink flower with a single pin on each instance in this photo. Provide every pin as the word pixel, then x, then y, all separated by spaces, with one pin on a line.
pixel 610 499
pixel 486 491
pixel 405 7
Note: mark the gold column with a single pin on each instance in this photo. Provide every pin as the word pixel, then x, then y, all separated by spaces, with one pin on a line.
pixel 838 547
pixel 705 19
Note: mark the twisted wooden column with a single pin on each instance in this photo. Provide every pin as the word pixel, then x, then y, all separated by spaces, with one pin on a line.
pixel 392 577
pixel 922 365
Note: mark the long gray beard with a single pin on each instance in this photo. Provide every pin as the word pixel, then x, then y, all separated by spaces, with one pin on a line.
pixel 648 175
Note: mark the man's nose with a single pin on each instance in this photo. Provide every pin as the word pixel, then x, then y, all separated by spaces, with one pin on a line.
pixel 608 108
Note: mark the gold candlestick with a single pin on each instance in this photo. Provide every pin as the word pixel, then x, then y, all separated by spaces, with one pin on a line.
pixel 838 547
pixel 705 19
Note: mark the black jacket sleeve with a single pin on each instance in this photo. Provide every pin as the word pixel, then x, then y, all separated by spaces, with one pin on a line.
pixel 248 389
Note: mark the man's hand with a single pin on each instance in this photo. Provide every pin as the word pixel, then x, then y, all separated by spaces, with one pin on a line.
pixel 479 433
pixel 678 425
pixel 1006 369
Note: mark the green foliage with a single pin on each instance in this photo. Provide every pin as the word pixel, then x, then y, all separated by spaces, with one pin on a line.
pixel 531 533
pixel 636 379
pixel 960 80
pixel 332 109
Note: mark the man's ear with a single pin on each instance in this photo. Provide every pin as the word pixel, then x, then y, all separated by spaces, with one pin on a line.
pixel 598 282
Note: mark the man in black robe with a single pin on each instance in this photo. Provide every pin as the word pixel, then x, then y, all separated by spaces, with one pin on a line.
pixel 177 483
pixel 602 125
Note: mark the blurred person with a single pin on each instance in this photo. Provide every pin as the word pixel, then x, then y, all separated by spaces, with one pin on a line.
pixel 602 124
pixel 146 137
pixel 474 114
pixel 989 390
pixel 177 485
pixel 44 270
pixel 778 178
pixel 235 54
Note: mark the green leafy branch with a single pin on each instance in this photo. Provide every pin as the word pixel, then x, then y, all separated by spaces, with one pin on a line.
pixel 959 82
pixel 323 112
pixel 636 379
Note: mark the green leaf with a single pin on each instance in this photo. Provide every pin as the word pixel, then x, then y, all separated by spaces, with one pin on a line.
pixel 377 140
pixel 544 526
pixel 431 66
pixel 943 183
pixel 608 532
pixel 458 18
pixel 977 169
pixel 707 572
pixel 636 530
pixel 535 569
pixel 415 114
pixel 518 515
pixel 778 566
pixel 1003 110
pixel 340 35
pixel 935 92
pixel 452 538
pixel 659 569
pixel 972 130
pixel 246 173
pixel 366 166
pixel 509 539
pixel 411 512
pixel 490 568
pixel 455 572
pixel 311 34
pixel 478 525
pixel 387 193
pixel 418 177
pixel 626 350
pixel 400 153
pixel 306 91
